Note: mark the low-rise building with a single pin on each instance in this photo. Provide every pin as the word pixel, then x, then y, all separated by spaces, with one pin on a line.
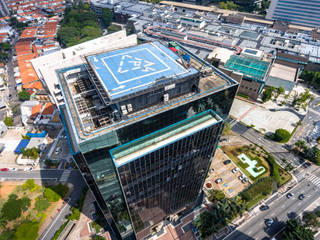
pixel 253 72
pixel 282 76
pixel 3 128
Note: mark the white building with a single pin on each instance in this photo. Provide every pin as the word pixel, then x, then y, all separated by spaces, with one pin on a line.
pixel 192 22
pixel 26 110
pixel 252 53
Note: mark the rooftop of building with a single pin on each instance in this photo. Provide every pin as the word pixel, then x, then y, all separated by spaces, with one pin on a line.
pixel 130 70
pixel 137 148
pixel 80 95
pixel 283 72
pixel 251 68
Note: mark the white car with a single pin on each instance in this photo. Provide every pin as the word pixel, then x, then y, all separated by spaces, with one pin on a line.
pixel 235 170
pixel 241 177
pixel 13 169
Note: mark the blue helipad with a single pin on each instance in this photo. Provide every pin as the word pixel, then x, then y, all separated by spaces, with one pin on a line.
pixel 134 69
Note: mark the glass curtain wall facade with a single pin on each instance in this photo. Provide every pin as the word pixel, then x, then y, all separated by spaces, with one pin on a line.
pixel 168 171
pixel 301 12
pixel 96 164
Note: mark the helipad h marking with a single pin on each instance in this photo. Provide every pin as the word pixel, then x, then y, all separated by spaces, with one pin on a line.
pixel 137 64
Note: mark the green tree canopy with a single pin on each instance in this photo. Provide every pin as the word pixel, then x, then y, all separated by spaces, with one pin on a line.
pixel 310 219
pixel 295 230
pixel 8 121
pixel 27 231
pixel 79 25
pixel 267 94
pixel 106 17
pixel 13 207
pixel 216 195
pixel 281 135
pixel 24 95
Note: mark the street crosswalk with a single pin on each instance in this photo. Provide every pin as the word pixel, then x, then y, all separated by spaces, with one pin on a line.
pixel 65 176
pixel 314 179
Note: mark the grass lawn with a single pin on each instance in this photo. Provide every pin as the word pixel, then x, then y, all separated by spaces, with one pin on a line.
pixel 253 153
pixel 255 201
pixel 284 176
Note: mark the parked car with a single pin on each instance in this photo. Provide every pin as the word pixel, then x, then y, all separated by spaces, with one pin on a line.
pixel 212 170
pixel 227 162
pixel 302 196
pixel 13 169
pixel 241 177
pixel 264 207
pixel 268 222
pixel 4 169
pixel 244 180
pixel 235 170
pixel 290 195
pixel 219 180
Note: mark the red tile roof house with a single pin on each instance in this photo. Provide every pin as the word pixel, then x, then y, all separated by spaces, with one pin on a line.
pixel 48 111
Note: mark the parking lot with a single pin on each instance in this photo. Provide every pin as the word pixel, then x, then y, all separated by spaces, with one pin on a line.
pixel 230 184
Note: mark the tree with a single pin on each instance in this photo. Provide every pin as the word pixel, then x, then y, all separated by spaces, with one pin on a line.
pixel 216 195
pixel 30 185
pixel 27 231
pixel 8 121
pixel 274 168
pixel 280 90
pixel 222 213
pixel 13 207
pixel 51 195
pixel 281 135
pixel 32 153
pixel 267 94
pixel 56 192
pixel 313 154
pixel 228 5
pixel 226 129
pixel 24 95
pixel 75 215
pixel 106 17
pixel 300 145
pixel 41 204
pixel 310 219
pixel 295 230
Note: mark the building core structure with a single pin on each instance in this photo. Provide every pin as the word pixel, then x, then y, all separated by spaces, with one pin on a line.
pixel 143 122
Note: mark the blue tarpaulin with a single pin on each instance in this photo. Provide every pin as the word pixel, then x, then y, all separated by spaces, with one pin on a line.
pixel 37 135
pixel 22 144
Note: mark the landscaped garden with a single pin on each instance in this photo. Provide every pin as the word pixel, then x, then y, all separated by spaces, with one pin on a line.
pixel 266 175
pixel 251 152
pixel 25 208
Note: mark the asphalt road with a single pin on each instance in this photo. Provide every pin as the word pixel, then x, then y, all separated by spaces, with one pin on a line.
pixel 74 177
pixel 255 227
pixel 276 149
pixel 309 121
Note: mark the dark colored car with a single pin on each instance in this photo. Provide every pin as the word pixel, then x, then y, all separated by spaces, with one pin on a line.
pixel 268 222
pixel 227 162
pixel 302 196
pixel 292 215
pixel 290 195
pixel 264 207
pixel 306 164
